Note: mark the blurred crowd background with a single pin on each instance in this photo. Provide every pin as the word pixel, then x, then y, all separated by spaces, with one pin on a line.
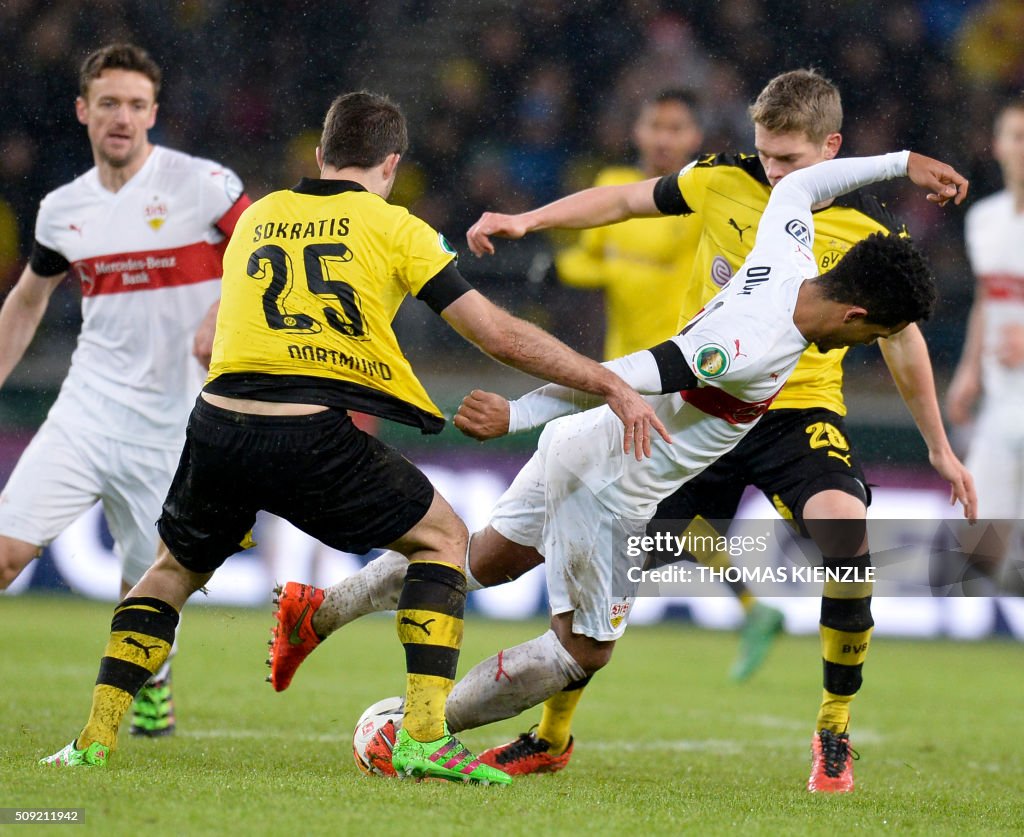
pixel 511 104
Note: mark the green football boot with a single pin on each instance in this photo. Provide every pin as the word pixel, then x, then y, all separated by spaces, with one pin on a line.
pixel 95 755
pixel 445 759
pixel 153 710
pixel 762 625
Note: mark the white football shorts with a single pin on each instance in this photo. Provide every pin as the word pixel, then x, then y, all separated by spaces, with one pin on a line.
pixel 66 469
pixel 582 541
pixel 996 461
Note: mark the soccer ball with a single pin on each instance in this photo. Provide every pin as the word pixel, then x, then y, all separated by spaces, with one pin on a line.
pixel 372 720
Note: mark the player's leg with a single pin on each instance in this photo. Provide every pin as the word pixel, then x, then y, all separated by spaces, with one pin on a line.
pixel 837 522
pixel 307 615
pixel 969 559
pixel 590 596
pixel 701 511
pixel 813 476
pixel 360 493
pixel 137 482
pixel 54 482
pixel 206 517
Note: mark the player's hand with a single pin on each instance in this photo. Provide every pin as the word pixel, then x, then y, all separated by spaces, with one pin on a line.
pixel 496 224
pixel 638 418
pixel 960 481
pixel 483 415
pixel 202 343
pixel 945 182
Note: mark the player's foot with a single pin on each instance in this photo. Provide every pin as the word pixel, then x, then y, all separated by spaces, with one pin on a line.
pixel 95 755
pixel 153 710
pixel 445 758
pixel 527 754
pixel 293 636
pixel 762 625
pixel 378 751
pixel 832 763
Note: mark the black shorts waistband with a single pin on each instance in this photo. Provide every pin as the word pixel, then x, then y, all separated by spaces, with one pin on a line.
pixel 331 416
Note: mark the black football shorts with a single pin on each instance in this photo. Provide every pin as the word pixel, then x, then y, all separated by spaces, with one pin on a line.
pixel 320 472
pixel 790 455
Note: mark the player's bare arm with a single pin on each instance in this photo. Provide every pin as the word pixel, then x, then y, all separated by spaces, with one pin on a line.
pixel 530 349
pixel 906 355
pixel 483 415
pixel 581 210
pixel 965 388
pixel 943 180
pixel 20 316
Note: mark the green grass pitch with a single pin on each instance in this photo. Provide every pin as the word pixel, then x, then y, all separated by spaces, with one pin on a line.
pixel 665 744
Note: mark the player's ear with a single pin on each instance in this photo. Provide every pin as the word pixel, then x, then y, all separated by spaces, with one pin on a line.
pixel 854 313
pixel 320 157
pixel 832 144
pixel 82 110
pixel 390 164
pixel 152 116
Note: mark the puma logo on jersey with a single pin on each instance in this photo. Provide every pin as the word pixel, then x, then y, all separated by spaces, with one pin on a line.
pixel 421 625
pixel 75 228
pixel 845 458
pixel 738 352
pixel 738 228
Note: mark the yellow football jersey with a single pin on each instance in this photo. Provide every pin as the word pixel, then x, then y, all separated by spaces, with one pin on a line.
pixel 313 277
pixel 643 266
pixel 729 194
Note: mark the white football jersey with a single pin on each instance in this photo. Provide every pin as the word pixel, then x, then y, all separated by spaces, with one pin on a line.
pixel 149 261
pixel 741 348
pixel 994 232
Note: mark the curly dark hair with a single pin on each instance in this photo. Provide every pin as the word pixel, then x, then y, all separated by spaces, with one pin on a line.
pixel 887 276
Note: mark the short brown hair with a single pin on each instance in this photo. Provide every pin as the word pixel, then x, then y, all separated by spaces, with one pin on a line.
pixel 118 57
pixel 800 100
pixel 361 129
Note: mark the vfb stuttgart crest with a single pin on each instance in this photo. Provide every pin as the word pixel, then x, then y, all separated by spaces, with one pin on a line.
pixel 617 612
pixel 155 213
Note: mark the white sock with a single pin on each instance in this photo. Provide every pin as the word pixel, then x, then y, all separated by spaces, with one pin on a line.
pixel 471 582
pixel 374 588
pixel 511 682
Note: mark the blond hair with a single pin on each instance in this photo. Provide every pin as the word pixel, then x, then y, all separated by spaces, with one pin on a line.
pixel 799 101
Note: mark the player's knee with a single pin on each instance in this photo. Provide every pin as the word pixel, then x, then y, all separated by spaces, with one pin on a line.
pixel 835 515
pixel 590 654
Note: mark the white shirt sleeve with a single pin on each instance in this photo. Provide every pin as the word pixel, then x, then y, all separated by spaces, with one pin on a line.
pixel 787 218
pixel 639 370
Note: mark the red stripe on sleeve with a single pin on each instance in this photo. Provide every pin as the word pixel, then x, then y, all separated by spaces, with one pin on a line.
pixel 228 220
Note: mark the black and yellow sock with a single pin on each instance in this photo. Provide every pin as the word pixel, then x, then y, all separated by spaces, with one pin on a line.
pixel 556 719
pixel 705 539
pixel 141 634
pixel 845 629
pixel 429 618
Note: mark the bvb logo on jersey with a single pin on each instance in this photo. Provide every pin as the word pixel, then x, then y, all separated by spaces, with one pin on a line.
pixel 155 213
pixel 711 361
